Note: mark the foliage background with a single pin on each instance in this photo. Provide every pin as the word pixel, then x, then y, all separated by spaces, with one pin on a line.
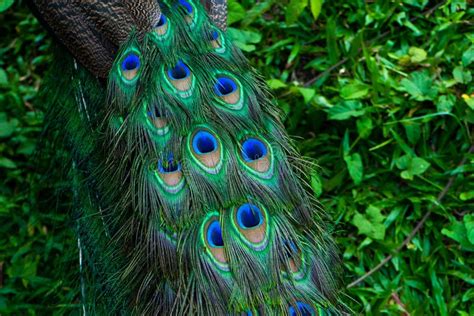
pixel 378 93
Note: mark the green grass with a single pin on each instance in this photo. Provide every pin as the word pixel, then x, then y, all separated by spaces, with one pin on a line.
pixel 378 93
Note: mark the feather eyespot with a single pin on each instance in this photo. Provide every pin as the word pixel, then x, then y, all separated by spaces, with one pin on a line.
pixel 162 21
pixel 253 149
pixel 204 143
pixel 293 255
pixel 170 167
pixel 228 90
pixel 206 148
pixel 186 5
pixel 212 234
pixel 188 10
pixel 214 35
pixel 158 121
pixel 302 309
pixel 256 154
pixel 215 39
pixel 161 26
pixel 171 175
pixel 180 77
pixel 249 216
pixel 179 72
pixel 251 222
pixel 131 62
pixel 130 66
pixel 225 86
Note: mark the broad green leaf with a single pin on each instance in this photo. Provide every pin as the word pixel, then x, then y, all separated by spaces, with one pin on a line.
pixel 419 166
pixel 445 103
pixel 307 93
pixel 5 4
pixel 412 166
pixel 294 10
pixel 458 232
pixel 276 84
pixel 458 5
pixel 420 86
pixel 7 163
pixel 417 55
pixel 468 56
pixel 355 90
pixel 465 196
pixel 364 126
pixel 469 99
pixel 468 296
pixel 370 223
pixel 322 101
pixel 461 75
pixel 355 167
pixel 244 39
pixel 236 12
pixel 316 8
pixel 346 109
pixel 469 224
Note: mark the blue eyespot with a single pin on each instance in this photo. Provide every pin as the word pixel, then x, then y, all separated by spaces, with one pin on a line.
pixel 187 6
pixel 204 143
pixel 169 167
pixel 253 149
pixel 225 86
pixel 249 216
pixel 154 112
pixel 131 62
pixel 214 234
pixel 304 309
pixel 162 21
pixel 213 35
pixel 180 71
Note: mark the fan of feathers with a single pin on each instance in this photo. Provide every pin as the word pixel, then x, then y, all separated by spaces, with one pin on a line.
pixel 190 198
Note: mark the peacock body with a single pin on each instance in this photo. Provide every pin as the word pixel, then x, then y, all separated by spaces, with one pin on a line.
pixel 189 195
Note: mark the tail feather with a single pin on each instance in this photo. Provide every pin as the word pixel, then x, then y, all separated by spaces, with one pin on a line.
pixel 192 198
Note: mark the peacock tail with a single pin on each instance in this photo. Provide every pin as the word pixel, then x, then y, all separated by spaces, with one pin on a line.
pixel 190 198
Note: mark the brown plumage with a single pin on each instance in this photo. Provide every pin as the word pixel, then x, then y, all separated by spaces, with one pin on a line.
pixel 93 30
pixel 217 11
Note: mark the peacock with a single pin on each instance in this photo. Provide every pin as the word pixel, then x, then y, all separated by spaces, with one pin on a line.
pixel 189 196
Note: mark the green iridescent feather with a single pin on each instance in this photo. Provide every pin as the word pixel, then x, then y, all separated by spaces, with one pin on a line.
pixel 191 197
